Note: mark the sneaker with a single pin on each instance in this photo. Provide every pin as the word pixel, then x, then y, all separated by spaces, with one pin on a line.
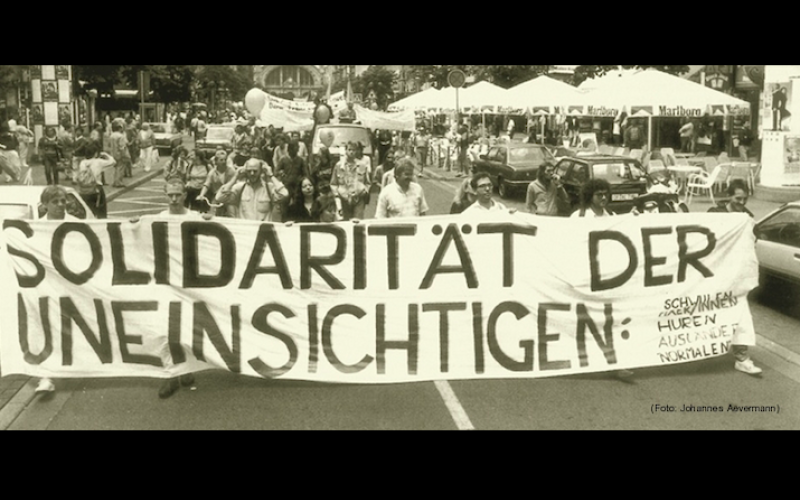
pixel 747 367
pixel 168 388
pixel 45 385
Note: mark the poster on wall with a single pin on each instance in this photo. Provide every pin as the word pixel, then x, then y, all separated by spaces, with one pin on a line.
pixel 51 113
pixel 63 91
pixel 36 91
pixel 37 114
pixel 62 72
pixel 36 72
pixel 64 113
pixel 49 91
pixel 791 155
pixel 777 102
pixel 48 72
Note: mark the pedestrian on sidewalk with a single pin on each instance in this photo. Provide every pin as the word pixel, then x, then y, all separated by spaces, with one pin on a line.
pixel 118 149
pixel 25 137
pixel 146 145
pixel 132 136
pixel 422 143
pixel 10 163
pixel 738 193
pixel 51 154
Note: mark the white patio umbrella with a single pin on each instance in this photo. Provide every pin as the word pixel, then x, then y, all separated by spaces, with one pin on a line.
pixel 414 101
pixel 542 95
pixel 649 93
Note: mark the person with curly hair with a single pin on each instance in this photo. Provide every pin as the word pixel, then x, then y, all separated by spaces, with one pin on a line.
pixel 594 198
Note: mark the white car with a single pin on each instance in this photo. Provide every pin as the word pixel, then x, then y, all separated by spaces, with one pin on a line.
pixel 778 244
pixel 22 202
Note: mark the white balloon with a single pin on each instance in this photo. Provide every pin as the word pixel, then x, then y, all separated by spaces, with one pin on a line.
pixel 255 100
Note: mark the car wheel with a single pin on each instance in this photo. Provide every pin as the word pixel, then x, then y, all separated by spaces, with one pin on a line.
pixel 502 189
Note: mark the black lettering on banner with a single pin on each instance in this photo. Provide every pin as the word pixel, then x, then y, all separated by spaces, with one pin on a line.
pixel 606 344
pixel 685 258
pixel 359 257
pixel 160 252
pixel 119 323
pixel 444 329
pixel 327 347
pixel 451 234
pixel 261 324
pixel 544 338
pixel 411 345
pixel 393 233
pixel 174 333
pixel 506 361
pixel 313 338
pixel 57 251
pixel 24 344
pixel 307 262
pixel 122 275
pixel 651 261
pixel 266 235
pixel 508 231
pixel 477 336
pixel 25 281
pixel 204 322
pixel 190 233
pixel 101 345
pixel 599 283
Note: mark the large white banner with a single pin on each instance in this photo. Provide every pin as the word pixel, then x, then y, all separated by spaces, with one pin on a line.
pixel 444 297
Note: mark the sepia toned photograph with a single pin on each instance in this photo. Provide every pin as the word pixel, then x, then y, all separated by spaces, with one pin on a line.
pixel 407 247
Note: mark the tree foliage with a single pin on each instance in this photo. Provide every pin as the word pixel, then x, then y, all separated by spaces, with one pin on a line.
pixel 585 72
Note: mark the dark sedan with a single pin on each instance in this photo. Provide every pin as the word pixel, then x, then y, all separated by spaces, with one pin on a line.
pixel 625 175
pixel 514 165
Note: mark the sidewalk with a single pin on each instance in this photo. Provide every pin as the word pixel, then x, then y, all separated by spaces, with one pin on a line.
pixel 11 385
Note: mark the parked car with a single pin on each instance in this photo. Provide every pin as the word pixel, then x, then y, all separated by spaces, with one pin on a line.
pixel 165 137
pixel 216 136
pixel 513 165
pixel 625 175
pixel 778 244
pixel 22 202
pixel 342 134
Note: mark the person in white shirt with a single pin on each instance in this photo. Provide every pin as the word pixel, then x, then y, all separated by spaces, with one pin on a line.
pixel 54 200
pixel 89 181
pixel 482 184
pixel 402 198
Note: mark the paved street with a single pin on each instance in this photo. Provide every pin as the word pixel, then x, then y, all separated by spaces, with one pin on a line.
pixel 221 400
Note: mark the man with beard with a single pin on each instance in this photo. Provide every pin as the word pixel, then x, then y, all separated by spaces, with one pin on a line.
pixel 546 195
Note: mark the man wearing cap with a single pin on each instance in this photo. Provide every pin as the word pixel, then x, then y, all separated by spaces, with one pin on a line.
pixel 249 196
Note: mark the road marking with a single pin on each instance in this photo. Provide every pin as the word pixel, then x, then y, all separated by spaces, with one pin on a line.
pixel 457 411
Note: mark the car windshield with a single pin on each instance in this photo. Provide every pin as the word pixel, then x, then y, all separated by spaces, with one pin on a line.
pixel 343 135
pixel 220 133
pixel 529 155
pixel 158 128
pixel 16 212
pixel 615 172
